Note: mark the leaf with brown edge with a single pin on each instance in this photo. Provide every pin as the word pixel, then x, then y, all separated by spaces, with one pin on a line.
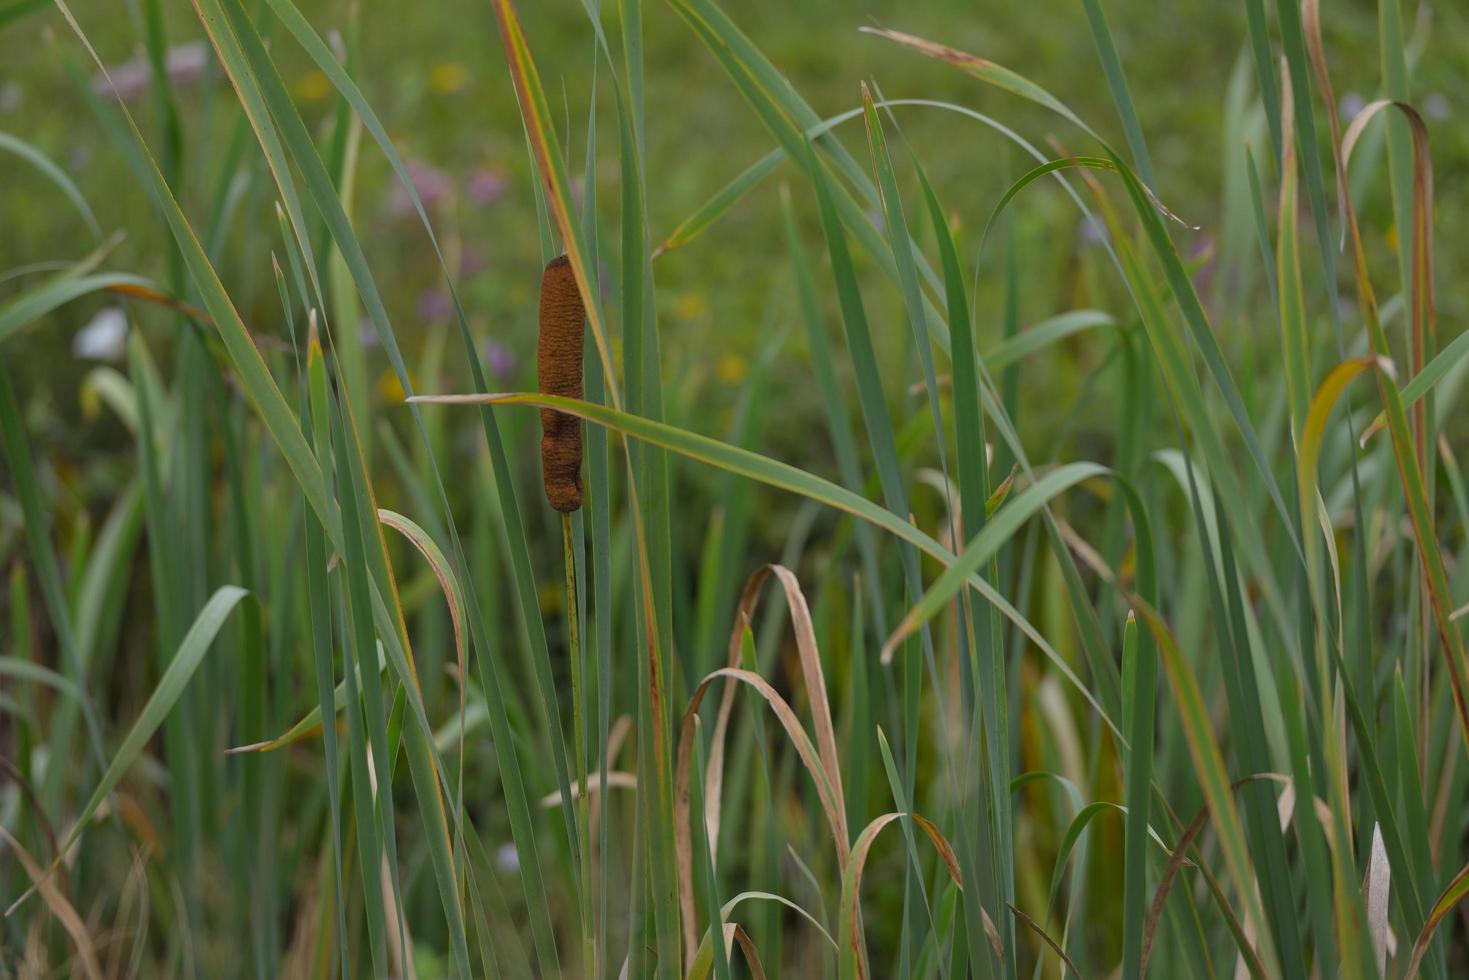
pixel 1423 316
pixel 1179 858
pixel 454 598
pixel 43 822
pixel 852 958
pixel 1165 884
pixel 541 134
pixel 448 583
pixel 734 934
pixel 811 675
pixel 1409 452
pixel 683 834
pixel 1311 26
pixel 1322 403
pixel 135 290
pixel 983 69
pixel 986 543
pixel 1451 897
pixel 45 882
pixel 307 727
pixel 747 949
pixel 1039 930
pixel 704 958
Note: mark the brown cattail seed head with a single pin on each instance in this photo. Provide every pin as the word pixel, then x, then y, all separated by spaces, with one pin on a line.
pixel 558 372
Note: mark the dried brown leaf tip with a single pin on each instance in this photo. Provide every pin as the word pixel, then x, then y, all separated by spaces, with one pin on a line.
pixel 932 49
pixel 558 372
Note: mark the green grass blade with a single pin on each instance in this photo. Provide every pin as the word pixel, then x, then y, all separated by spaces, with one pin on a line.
pixel 375 774
pixel 425 768
pixel 974 493
pixel 320 613
pixel 196 643
pixel 1121 96
pixel 38 301
pixel 1047 332
pixel 839 426
pixel 706 859
pixel 43 555
pixel 1139 685
pixel 51 171
pixel 1019 508
pixel 1265 71
pixel 710 212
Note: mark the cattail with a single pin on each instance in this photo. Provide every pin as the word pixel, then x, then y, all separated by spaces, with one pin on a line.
pixel 558 372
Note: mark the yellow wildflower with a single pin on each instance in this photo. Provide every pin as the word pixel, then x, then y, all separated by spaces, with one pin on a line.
pixel 690 306
pixel 448 77
pixel 551 597
pixel 313 87
pixel 91 402
pixel 731 368
pixel 390 389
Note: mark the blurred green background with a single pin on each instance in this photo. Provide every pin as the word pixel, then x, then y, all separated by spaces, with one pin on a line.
pixel 444 93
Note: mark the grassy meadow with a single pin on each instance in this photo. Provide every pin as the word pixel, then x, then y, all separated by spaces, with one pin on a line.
pixel 1022 521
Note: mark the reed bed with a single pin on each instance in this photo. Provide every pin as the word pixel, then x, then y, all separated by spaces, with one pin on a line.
pixel 940 625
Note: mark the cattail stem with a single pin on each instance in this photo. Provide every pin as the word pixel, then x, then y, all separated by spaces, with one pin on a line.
pixel 579 742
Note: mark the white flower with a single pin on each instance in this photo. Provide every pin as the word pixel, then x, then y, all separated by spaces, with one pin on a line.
pixel 104 336
pixel 129 80
pixel 1349 105
pixel 507 858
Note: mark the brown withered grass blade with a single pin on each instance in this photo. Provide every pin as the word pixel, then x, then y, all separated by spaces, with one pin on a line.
pixel 748 950
pixel 810 758
pixel 812 678
pixel 983 69
pixel 1410 451
pixel 814 681
pixel 1165 885
pixel 852 957
pixel 60 906
pixel 1451 897
pixel 1039 930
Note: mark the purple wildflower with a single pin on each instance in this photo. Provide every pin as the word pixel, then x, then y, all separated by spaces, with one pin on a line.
pixel 434 306
pixel 433 186
pixel 486 185
pixel 1092 232
pixel 499 359
pixel 1202 252
pixel 184 64
pixel 367 332
pixel 471 261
